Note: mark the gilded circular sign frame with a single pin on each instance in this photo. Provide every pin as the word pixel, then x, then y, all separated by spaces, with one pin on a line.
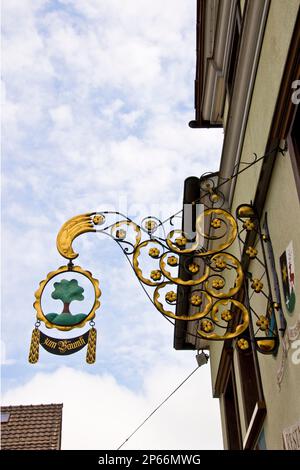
pixel 64 269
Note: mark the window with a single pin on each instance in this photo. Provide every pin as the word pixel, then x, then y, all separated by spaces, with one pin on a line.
pixel 233 433
pixel 249 383
pixel 261 443
pixel 235 42
pixel 4 416
pixel 252 399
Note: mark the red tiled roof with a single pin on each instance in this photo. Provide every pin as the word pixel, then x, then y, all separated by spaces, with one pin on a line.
pixel 32 427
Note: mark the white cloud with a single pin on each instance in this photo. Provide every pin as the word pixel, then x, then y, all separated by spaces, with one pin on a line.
pixel 130 118
pixel 104 413
pixel 113 108
pixel 62 116
pixel 4 360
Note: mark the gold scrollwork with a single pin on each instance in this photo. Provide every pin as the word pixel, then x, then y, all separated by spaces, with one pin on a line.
pixel 168 313
pixel 210 295
pixel 240 328
pixel 238 280
pixel 180 242
pixel 223 218
pixel 38 295
pixel 116 228
pixel 136 266
pixel 178 280
pixel 230 223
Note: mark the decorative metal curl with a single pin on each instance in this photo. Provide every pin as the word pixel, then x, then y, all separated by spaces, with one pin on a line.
pixel 235 331
pixel 201 267
pixel 196 316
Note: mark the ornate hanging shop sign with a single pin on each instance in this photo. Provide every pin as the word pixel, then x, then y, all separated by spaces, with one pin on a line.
pixel 66 289
pixel 168 264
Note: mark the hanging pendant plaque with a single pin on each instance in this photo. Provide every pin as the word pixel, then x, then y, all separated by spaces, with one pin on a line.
pixel 63 347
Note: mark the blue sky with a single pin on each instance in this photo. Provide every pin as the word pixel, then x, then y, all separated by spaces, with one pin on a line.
pixel 97 96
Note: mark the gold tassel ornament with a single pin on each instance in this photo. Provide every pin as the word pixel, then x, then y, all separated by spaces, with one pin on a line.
pixel 34 346
pixel 91 348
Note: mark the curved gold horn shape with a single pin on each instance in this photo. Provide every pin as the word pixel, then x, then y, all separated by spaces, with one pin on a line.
pixel 70 230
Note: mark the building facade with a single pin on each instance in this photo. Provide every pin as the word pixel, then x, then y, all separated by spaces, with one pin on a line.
pixel 248 83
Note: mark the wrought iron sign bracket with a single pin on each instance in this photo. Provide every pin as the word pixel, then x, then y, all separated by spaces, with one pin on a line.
pixel 217 278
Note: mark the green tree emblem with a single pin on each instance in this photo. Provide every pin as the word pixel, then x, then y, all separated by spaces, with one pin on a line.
pixel 67 292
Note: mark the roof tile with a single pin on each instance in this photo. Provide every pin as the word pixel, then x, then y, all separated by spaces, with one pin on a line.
pixel 35 427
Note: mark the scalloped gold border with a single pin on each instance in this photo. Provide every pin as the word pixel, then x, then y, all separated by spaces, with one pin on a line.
pixel 38 295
